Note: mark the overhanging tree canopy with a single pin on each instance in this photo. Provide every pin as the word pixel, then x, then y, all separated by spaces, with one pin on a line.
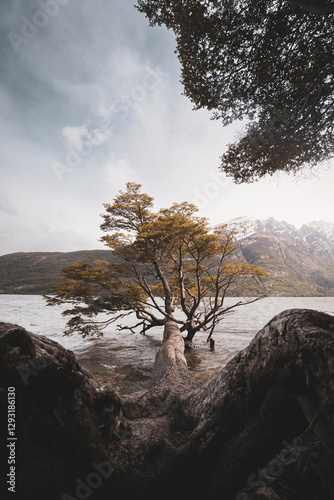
pixel 165 260
pixel 267 61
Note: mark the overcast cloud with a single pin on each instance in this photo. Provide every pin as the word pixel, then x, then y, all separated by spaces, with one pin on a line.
pixel 90 99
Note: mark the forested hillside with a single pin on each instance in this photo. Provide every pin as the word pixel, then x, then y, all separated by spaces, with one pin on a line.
pixel 30 273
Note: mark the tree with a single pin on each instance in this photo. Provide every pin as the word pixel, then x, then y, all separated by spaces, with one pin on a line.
pixel 322 7
pixel 166 261
pixel 267 62
pixel 262 429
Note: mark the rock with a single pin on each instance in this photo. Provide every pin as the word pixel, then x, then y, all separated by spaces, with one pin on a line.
pixel 63 422
pixel 263 428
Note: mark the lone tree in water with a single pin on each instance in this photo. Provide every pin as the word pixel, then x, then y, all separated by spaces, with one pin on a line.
pixel 170 255
pixel 268 62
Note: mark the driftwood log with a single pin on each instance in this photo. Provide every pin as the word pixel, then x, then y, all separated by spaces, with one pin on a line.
pixel 262 429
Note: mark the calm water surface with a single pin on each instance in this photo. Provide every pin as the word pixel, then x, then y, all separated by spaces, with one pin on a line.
pixel 125 359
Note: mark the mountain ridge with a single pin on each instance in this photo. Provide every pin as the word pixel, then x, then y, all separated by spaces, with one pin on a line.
pixel 300 261
pixel 31 272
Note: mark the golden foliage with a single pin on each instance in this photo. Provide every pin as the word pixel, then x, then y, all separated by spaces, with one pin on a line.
pixel 171 254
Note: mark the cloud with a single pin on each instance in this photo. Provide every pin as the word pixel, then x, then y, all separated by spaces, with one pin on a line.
pixel 6 206
pixel 98 85
pixel 97 137
pixel 74 136
pixel 117 172
pixel 77 137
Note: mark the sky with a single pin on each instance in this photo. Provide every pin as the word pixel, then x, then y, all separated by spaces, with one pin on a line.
pixel 90 98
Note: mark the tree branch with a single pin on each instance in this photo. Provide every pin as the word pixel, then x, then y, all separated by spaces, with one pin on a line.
pixel 314 6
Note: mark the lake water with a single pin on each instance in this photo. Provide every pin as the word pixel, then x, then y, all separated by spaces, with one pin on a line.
pixel 125 359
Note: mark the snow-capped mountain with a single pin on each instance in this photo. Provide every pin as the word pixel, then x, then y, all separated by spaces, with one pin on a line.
pixel 300 261
pixel 326 229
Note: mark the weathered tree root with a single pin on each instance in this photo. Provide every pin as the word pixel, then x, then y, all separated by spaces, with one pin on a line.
pixel 263 428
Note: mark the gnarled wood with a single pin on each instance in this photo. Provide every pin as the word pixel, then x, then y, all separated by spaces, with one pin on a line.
pixel 228 439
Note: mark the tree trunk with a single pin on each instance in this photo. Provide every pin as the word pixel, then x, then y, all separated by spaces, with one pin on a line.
pixel 191 332
pixel 262 429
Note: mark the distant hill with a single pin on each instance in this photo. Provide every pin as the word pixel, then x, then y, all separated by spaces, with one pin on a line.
pixel 300 261
pixel 30 273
